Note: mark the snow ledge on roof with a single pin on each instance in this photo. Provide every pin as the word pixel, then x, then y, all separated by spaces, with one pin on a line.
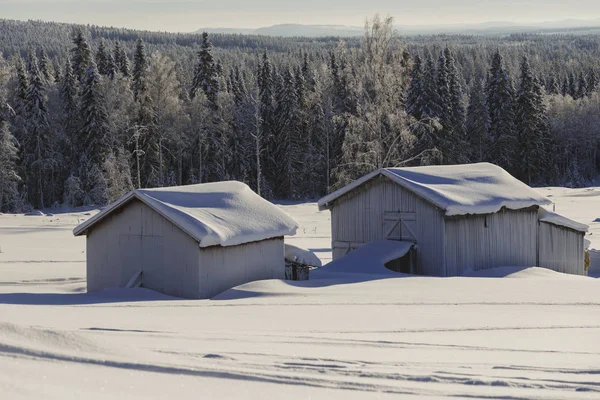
pixel 556 219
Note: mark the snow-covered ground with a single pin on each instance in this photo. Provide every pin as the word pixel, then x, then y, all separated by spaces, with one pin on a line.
pixel 533 334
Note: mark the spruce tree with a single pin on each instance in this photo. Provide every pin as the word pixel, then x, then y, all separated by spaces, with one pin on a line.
pixel 582 87
pixel 105 61
pixel 70 120
pixel 477 123
pixel 458 148
pixel 140 67
pixel 22 86
pixel 592 81
pixel 45 66
pixel 10 200
pixel 94 141
pixel 532 127
pixel 500 102
pixel 553 84
pixel 37 142
pixel 81 55
pixel 572 85
pixel 205 74
pixel 57 72
pixel 431 99
pixel 122 63
pixel 415 98
pixel 32 61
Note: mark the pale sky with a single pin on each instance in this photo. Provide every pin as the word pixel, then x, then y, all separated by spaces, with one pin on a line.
pixel 190 15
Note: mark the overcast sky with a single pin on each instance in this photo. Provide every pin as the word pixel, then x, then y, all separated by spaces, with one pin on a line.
pixel 189 15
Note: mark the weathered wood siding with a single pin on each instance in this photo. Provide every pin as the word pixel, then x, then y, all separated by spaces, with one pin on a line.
pixel 506 238
pixel 222 268
pixel 139 239
pixel 561 249
pixel 360 217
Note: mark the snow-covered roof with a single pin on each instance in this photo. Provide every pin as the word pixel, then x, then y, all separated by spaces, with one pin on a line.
pixel 555 219
pixel 214 214
pixel 481 188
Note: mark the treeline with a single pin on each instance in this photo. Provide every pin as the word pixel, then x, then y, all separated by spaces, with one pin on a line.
pixel 88 113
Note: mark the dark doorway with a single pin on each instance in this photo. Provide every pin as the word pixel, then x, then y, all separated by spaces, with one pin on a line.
pixel 404 264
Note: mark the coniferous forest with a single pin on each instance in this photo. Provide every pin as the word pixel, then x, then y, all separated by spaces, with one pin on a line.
pixel 88 113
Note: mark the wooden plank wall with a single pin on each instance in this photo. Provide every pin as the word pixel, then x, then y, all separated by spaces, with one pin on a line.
pixel 506 238
pixel 138 239
pixel 561 249
pixel 222 268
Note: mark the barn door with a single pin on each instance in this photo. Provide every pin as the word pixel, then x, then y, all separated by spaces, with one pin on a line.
pixel 399 226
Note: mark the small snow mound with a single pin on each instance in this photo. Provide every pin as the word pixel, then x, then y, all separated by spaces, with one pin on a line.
pixel 520 272
pixel 301 256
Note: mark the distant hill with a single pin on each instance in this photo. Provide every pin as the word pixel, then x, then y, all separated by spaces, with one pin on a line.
pixel 291 30
pixel 485 28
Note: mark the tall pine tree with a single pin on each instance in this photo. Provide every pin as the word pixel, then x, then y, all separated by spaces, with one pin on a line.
pixel 94 144
pixel 477 123
pixel 140 68
pixel 205 74
pixel 81 54
pixel 532 127
pixel 500 102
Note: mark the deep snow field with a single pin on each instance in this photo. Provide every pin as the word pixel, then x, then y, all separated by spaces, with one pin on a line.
pixel 533 334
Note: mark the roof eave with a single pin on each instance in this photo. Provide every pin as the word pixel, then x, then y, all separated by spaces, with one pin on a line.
pixel 82 229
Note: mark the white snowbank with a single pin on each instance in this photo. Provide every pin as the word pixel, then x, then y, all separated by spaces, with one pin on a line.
pixel 555 219
pixel 222 213
pixel 458 189
pixel 520 272
pixel 301 256
pixel 370 258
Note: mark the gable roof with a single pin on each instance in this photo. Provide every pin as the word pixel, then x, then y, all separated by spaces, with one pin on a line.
pixel 222 213
pixel 458 189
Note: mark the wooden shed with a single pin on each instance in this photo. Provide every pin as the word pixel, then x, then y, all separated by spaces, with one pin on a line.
pixel 460 217
pixel 191 241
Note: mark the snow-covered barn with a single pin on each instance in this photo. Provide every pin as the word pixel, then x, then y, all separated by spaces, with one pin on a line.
pixel 460 217
pixel 190 241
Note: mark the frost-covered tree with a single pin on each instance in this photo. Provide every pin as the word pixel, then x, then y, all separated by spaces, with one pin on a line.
pixel 164 89
pixel 94 143
pixel 37 142
pixel 415 97
pixel 10 199
pixel 45 66
pixel 105 61
pixel 205 74
pixel 70 117
pixel 378 134
pixel 122 63
pixel 477 123
pixel 81 54
pixel 532 127
pixel 501 104
pixel 140 67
